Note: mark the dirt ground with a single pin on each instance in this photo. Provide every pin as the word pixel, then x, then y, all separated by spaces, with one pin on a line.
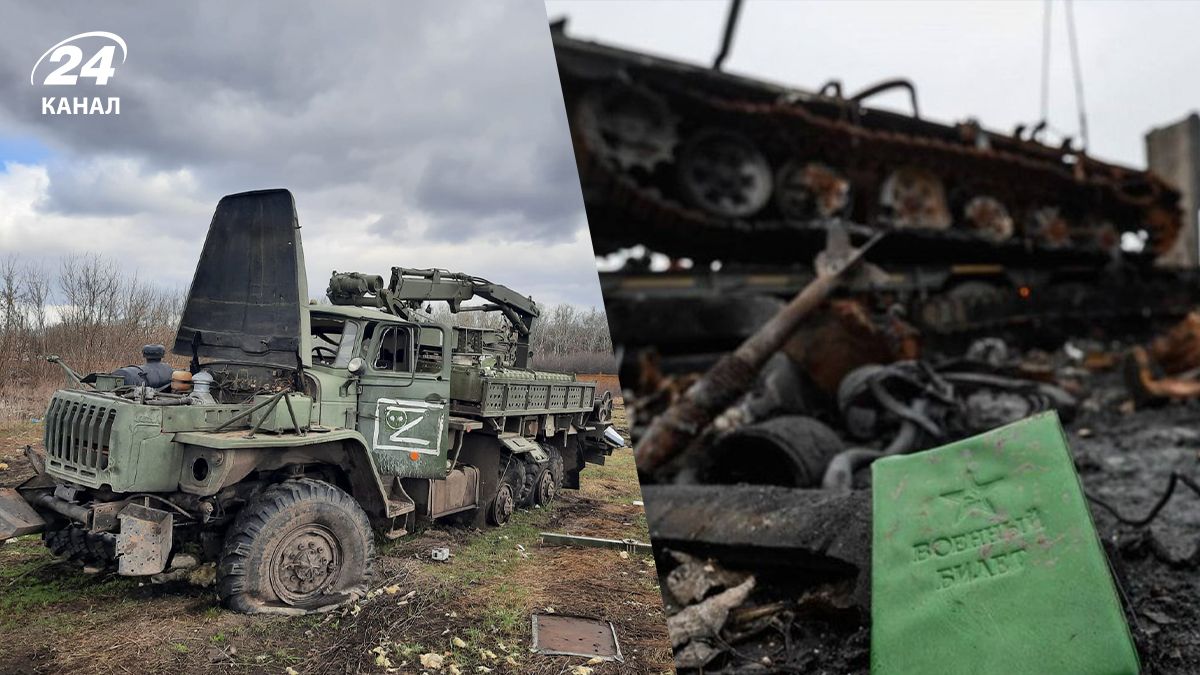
pixel 54 618
pixel 1126 460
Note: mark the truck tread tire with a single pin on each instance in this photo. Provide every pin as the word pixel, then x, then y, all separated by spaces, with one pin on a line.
pixel 508 491
pixel 533 472
pixel 300 546
pixel 75 543
pixel 549 479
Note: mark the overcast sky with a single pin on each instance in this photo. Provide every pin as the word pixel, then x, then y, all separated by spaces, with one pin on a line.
pixel 967 59
pixel 415 134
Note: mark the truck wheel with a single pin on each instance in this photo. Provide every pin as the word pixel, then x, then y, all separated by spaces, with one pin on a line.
pixel 301 545
pixel 508 492
pixel 549 479
pixel 533 473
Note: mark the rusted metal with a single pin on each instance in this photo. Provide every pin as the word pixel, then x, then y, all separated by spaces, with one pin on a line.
pixel 674 430
pixel 575 636
pixel 629 545
pixel 17 517
pixel 144 542
pixel 1178 350
pixel 915 198
pixel 1168 366
pixel 806 190
pixel 846 337
pixel 1048 220
pixel 1146 387
pixel 988 218
pixel 1018 172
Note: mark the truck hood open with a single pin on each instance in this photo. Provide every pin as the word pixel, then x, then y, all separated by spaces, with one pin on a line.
pixel 247 299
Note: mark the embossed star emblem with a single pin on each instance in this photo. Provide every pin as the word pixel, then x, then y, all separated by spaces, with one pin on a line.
pixel 972 498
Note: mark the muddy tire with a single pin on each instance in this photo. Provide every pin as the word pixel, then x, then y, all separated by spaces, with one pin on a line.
pixel 300 546
pixel 508 491
pixel 75 543
pixel 549 479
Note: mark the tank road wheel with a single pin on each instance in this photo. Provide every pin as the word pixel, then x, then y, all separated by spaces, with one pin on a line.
pixel 508 492
pixel 549 479
pixel 725 174
pixel 301 545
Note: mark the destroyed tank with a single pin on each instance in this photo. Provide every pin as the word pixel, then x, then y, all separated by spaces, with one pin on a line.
pixel 735 181
pixel 300 430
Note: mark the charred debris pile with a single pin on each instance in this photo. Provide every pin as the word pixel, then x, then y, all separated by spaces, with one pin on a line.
pixel 1015 275
pixel 761 518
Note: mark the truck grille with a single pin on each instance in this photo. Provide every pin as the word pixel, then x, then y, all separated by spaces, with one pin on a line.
pixel 77 435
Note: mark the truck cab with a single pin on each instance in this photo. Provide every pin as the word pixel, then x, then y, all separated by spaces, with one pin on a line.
pixel 299 431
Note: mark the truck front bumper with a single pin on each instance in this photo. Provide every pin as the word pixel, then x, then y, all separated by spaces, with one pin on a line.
pixel 144 535
pixel 17 517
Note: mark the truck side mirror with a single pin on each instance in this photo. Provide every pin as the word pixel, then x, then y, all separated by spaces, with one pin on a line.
pixel 356 366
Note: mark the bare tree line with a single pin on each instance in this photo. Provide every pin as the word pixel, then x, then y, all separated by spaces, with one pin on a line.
pixel 564 337
pixel 89 311
pixel 96 315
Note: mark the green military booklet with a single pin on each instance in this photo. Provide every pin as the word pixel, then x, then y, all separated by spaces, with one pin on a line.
pixel 985 560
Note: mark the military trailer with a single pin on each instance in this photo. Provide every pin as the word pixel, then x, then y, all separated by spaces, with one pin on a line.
pixel 298 430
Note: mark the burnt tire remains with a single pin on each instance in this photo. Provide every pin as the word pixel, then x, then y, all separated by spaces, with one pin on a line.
pixel 75 543
pixel 790 450
pixel 301 545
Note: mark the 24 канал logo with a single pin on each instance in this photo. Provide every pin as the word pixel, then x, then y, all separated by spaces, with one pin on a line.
pixel 67 63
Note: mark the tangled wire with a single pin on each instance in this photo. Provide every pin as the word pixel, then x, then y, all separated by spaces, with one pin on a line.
pixel 918 407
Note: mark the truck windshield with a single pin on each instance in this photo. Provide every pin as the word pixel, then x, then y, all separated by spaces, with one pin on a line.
pixel 333 341
pixel 346 345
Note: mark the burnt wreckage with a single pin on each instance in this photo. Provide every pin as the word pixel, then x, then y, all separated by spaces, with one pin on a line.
pixel 760 387
pixel 985 230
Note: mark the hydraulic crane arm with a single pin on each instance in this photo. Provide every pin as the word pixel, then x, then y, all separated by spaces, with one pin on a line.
pixel 409 288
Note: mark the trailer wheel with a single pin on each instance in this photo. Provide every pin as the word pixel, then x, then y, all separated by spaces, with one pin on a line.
pixel 508 492
pixel 533 473
pixel 302 545
pixel 549 479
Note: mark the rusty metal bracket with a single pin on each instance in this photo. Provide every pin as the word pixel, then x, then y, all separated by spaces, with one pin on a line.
pixel 144 542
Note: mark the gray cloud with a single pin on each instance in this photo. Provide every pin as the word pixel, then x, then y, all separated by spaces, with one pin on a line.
pixel 415 127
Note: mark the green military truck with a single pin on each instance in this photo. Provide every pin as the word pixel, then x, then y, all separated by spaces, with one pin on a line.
pixel 299 430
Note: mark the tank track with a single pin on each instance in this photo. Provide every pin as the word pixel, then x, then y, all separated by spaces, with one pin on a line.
pixel 636 122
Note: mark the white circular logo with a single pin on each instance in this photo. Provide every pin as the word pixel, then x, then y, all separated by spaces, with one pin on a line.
pixel 98 67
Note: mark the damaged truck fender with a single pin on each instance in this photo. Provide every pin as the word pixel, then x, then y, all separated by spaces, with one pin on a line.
pixel 226 459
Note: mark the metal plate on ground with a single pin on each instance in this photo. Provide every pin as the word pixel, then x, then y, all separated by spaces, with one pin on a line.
pixel 575 636
pixel 16 516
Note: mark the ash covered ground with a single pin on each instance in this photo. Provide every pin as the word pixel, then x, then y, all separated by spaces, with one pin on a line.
pixel 799 602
